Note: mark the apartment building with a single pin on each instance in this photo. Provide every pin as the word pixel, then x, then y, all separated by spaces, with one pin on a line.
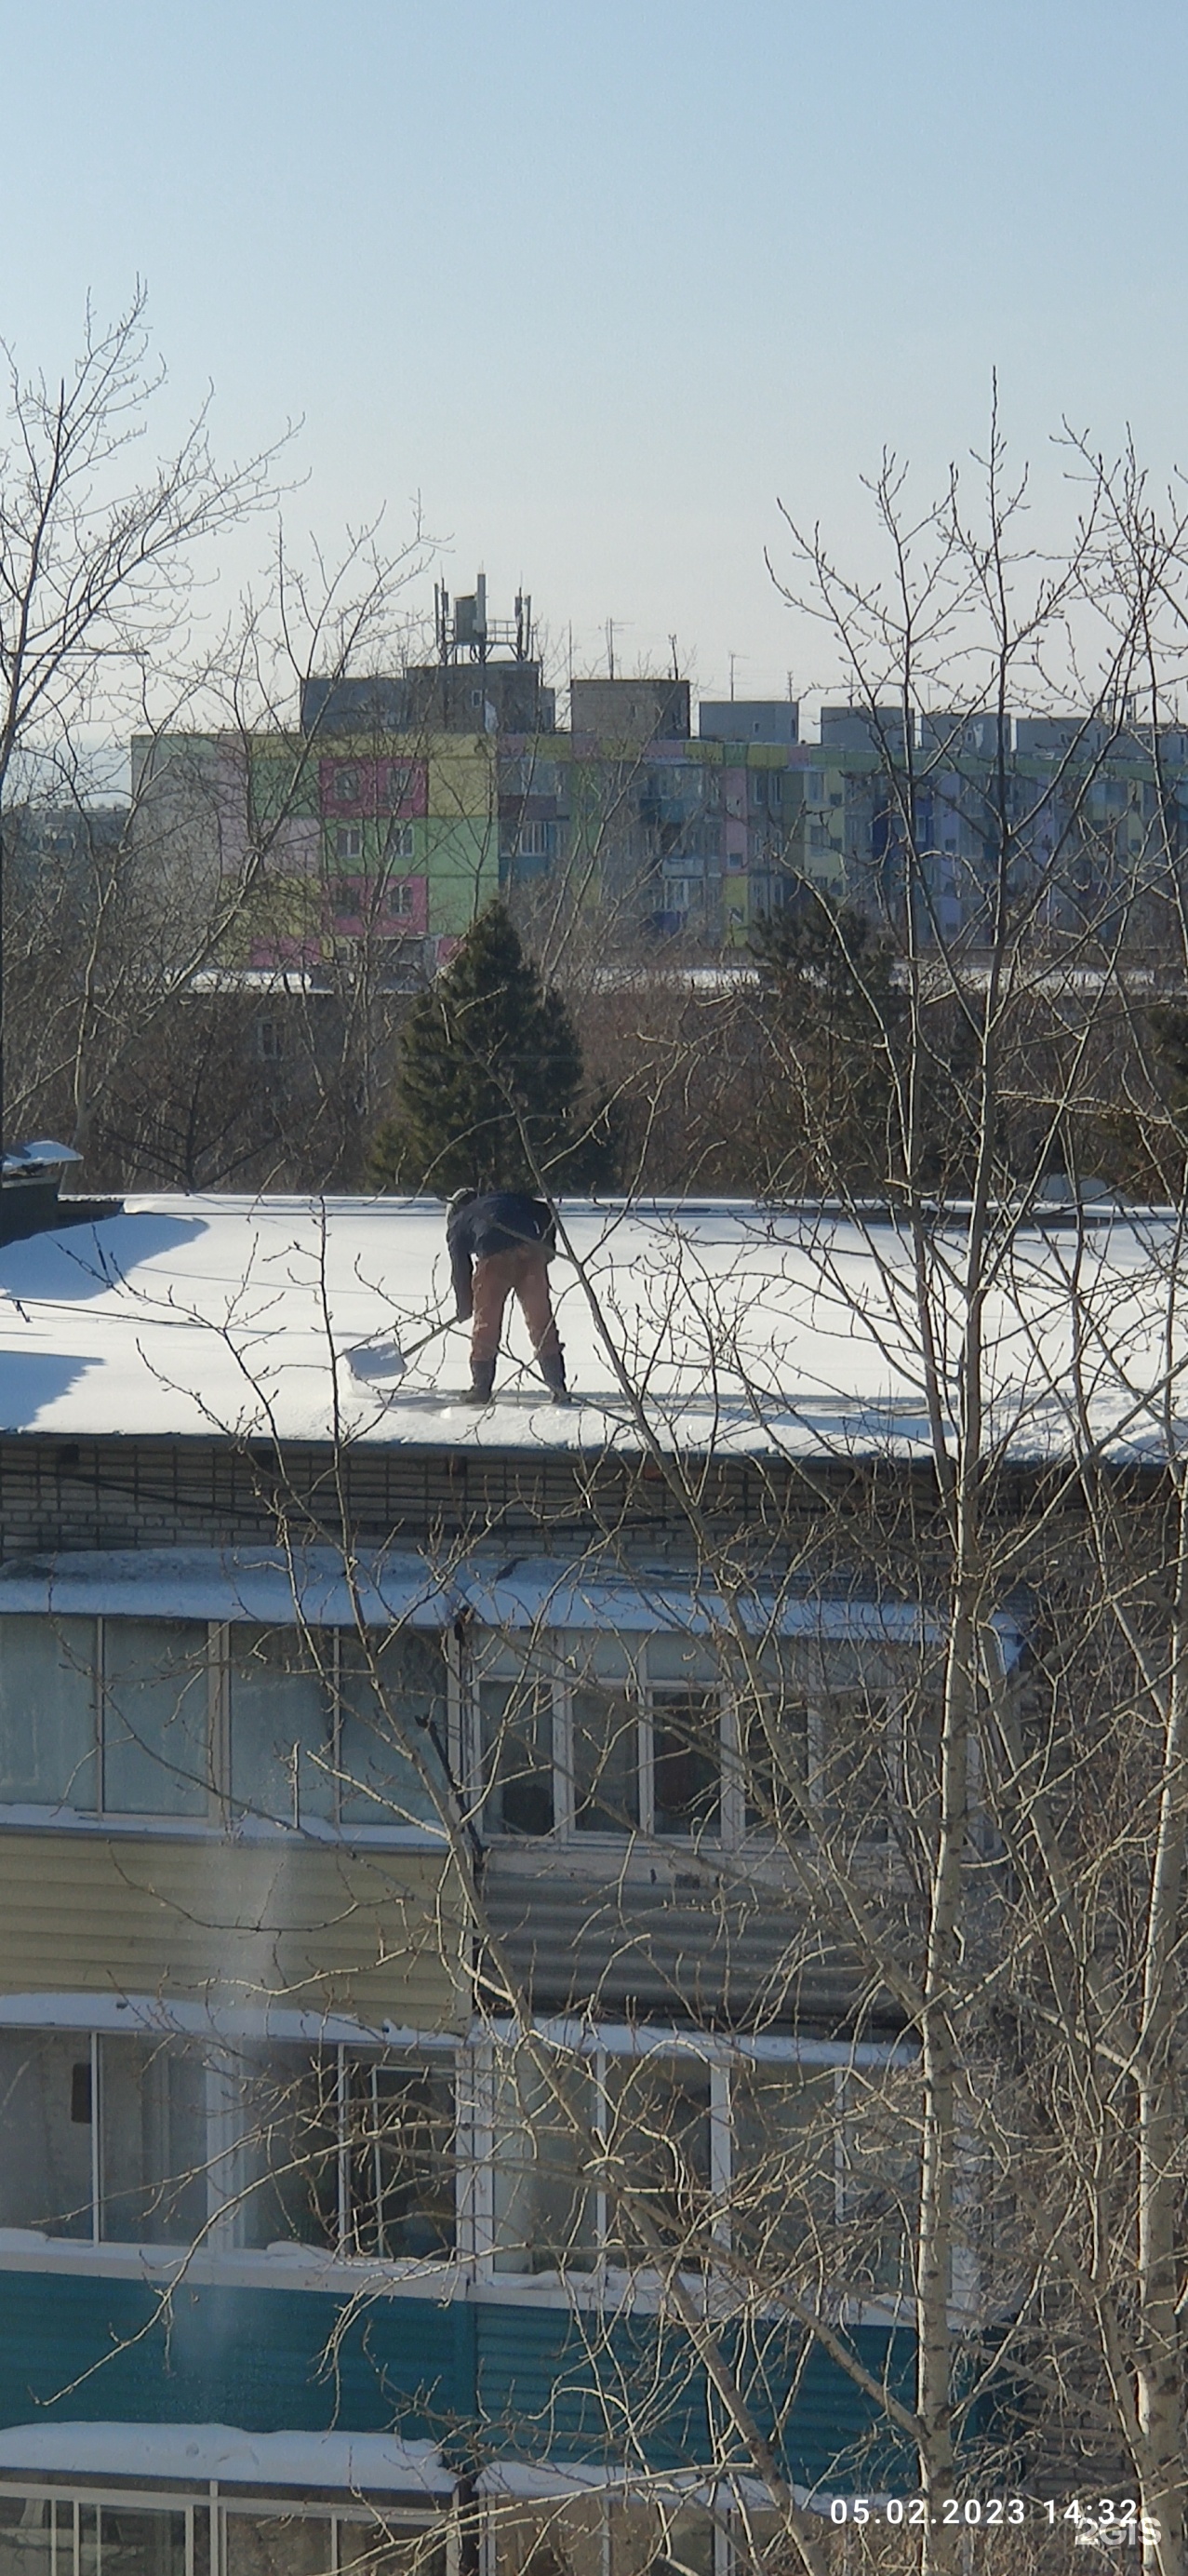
pixel 433 2076
pixel 363 1763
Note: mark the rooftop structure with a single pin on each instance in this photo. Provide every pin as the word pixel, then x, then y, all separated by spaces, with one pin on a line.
pixel 749 720
pixel 720 1327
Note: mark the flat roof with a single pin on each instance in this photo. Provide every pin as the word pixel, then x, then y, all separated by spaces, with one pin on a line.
pixel 722 1327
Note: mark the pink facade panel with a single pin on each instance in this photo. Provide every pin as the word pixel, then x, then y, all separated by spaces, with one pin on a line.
pixel 357 789
pixel 397 909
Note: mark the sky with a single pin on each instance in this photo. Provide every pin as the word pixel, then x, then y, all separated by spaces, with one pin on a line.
pixel 600 287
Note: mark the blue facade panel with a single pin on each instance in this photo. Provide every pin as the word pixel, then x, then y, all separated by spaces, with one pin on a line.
pixel 101 2350
pixel 484 2380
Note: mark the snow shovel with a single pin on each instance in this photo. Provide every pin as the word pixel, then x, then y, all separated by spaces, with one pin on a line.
pixel 378 1360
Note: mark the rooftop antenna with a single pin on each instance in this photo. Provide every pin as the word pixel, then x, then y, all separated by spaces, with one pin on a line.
pixel 610 647
pixel 676 667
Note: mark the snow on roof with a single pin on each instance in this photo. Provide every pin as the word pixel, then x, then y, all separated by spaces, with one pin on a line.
pixel 712 1327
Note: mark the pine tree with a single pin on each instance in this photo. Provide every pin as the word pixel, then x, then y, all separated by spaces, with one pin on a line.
pixel 488 1092
pixel 830 1003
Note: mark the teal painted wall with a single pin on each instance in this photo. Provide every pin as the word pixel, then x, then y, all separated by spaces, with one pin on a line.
pixel 503 2379
pixel 245 2357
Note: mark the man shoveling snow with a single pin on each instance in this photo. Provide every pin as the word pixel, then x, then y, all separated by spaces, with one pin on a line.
pixel 500 1245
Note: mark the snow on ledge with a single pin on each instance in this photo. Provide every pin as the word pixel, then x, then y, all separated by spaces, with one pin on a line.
pixel 355 2463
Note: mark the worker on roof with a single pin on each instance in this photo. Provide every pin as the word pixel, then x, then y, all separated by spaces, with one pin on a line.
pixel 500 1245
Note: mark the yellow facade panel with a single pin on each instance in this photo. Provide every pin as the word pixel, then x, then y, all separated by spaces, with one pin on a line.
pixel 378 1935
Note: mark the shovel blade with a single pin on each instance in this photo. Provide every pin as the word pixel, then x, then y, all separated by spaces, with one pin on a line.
pixel 377 1363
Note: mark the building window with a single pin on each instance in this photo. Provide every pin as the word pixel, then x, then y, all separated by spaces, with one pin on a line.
pixel 399 843
pixel 142 1718
pixel 804 2167
pixel 348 843
pixel 533 840
pixel 148 2141
pixel 628 2149
pixel 346 786
pixel 102 2137
pixel 347 2151
pixel 270 1040
pixel 400 897
pixel 76 2532
pixel 666 1735
pixel 596 1734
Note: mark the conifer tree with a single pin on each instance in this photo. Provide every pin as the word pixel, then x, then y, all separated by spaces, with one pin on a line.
pixel 829 1001
pixel 488 1092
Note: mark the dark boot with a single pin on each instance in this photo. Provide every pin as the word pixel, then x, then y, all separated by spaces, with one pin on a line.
pixel 553 1373
pixel 482 1379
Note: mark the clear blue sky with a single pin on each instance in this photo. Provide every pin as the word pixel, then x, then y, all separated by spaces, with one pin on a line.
pixel 602 281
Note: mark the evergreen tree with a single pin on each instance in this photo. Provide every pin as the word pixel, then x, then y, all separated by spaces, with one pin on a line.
pixel 488 1092
pixel 835 1017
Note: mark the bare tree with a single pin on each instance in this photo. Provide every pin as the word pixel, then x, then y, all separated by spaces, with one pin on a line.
pixel 800 1748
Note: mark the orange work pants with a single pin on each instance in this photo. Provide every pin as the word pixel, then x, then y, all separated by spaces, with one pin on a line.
pixel 523 1274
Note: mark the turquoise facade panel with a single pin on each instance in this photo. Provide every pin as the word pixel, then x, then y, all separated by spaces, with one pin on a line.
pixel 486 2380
pixel 554 2385
pixel 103 2351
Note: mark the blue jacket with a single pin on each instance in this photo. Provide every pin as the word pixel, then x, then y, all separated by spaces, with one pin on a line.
pixel 499 1221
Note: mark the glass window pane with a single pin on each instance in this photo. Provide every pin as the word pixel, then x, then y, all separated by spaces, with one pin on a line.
pixel 565 2537
pixel 282 1724
pixel 289 2147
pixel 392 1694
pixel 605 1701
pixel 382 2547
pixel 156 1717
pixel 45 2131
pixel 47 1712
pixel 674 1657
pixel 279 2544
pixel 27 2537
pixel 152 2114
pixel 881 2178
pixel 605 1762
pixel 783 2197
pixel 849 1752
pixel 517 1732
pixel 402 2157
pixel 544 2219
pixel 658 2143
pixel 686 1759
pixel 661 2540
pixel 114 2542
pixel 773 1732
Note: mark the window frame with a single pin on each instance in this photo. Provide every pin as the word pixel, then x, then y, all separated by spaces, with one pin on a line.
pixel 476 2064
pixel 490 1649
pixel 724 2060
pixel 218 2503
pixel 502 1647
pixel 220 1812
pixel 226 2133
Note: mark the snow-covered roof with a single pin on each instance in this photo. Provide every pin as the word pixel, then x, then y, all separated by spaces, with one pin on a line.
pixel 710 1327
